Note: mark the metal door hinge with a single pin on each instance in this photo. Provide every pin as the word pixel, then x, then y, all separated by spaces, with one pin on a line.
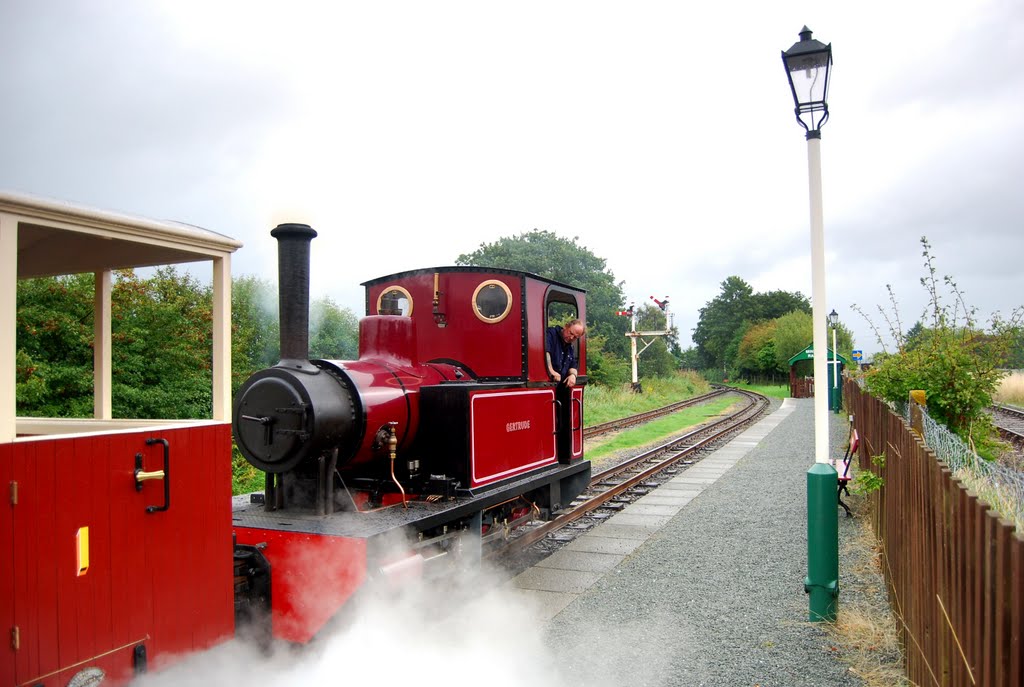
pixel 15 638
pixel 14 493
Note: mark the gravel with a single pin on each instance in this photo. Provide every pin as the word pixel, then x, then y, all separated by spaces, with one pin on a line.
pixel 716 596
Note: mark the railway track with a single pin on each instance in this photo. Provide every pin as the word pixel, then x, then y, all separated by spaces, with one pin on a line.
pixel 615 486
pixel 1010 423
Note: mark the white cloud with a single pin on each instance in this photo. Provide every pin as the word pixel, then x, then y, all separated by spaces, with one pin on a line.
pixel 661 134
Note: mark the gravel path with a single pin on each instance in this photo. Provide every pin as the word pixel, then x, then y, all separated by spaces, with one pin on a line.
pixel 716 596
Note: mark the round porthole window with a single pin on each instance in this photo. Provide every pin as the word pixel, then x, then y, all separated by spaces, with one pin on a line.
pixel 394 300
pixel 492 301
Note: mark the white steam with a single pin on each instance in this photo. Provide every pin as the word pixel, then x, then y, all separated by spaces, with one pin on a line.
pixel 475 631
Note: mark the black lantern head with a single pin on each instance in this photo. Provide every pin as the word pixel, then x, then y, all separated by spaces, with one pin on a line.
pixel 808 64
pixel 833 318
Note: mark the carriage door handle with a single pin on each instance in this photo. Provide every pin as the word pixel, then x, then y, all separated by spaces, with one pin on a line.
pixel 165 474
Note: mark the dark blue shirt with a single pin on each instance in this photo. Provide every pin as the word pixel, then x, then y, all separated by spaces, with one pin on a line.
pixel 563 354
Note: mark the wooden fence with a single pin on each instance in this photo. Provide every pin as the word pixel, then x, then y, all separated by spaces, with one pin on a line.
pixel 954 569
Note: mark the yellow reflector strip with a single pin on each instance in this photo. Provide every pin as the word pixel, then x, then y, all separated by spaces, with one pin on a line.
pixel 82 545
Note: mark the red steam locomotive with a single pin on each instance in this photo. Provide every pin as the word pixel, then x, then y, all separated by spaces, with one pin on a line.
pixel 443 434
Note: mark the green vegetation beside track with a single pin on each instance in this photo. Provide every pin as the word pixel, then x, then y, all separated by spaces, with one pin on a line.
pixel 657 431
pixel 604 404
pixel 769 390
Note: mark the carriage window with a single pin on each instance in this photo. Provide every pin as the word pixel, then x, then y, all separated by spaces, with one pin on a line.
pixel 394 300
pixel 492 301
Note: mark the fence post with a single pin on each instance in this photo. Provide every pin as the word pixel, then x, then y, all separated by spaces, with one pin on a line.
pixel 918 402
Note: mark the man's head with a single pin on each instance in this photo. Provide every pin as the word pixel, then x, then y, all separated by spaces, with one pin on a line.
pixel 573 330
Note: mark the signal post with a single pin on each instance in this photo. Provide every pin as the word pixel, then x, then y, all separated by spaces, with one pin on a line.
pixel 633 335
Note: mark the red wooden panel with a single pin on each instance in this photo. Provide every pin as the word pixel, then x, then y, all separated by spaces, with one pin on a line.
pixel 89 460
pixel 167 546
pixel 189 546
pixel 26 659
pixel 7 596
pixel 7 675
pixel 47 612
pixel 216 553
pixel 99 574
pixel 36 545
pixel 511 432
pixel 131 602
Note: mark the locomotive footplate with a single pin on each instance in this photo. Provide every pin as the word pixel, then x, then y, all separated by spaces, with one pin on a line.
pixel 565 482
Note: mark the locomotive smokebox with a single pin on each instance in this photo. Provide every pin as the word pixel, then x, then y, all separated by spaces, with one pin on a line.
pixel 293 411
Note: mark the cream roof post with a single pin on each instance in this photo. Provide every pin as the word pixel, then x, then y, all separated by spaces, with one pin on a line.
pixel 222 338
pixel 102 365
pixel 8 322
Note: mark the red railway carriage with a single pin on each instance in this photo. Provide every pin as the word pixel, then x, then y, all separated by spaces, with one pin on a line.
pixel 115 538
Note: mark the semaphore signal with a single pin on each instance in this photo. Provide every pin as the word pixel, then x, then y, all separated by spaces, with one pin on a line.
pixel 663 304
pixel 633 335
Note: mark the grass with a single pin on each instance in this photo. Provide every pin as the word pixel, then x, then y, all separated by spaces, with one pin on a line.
pixel 1011 389
pixel 866 634
pixel 656 430
pixel 604 404
pixel 769 390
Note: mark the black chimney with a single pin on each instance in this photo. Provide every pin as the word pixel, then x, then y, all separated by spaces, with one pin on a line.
pixel 293 288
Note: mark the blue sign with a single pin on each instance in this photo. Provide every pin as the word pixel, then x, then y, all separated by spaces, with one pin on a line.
pixel 858 355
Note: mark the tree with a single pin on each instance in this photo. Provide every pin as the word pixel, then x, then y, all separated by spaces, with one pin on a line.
pixel 793 332
pixel 1015 351
pixel 548 255
pixel 689 359
pixel 162 349
pixel 334 331
pixel 772 304
pixel 255 335
pixel 954 359
pixel 604 367
pixel 915 336
pixel 720 320
pixel 54 332
pixel 757 350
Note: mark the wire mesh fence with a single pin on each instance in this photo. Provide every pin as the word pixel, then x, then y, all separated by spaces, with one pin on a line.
pixel 1000 486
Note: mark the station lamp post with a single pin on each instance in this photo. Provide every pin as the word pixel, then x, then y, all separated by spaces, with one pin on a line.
pixel 807 64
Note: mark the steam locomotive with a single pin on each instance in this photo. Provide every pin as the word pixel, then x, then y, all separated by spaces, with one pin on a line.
pixel 126 550
pixel 446 430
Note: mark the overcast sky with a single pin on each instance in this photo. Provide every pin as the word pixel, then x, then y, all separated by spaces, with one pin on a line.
pixel 661 134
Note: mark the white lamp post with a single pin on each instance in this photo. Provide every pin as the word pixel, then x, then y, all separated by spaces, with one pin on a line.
pixel 807 65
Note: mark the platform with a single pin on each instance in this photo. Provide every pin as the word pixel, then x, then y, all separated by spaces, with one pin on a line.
pixel 699 582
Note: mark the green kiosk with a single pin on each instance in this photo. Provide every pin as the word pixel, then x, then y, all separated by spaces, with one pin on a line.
pixel 801 376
